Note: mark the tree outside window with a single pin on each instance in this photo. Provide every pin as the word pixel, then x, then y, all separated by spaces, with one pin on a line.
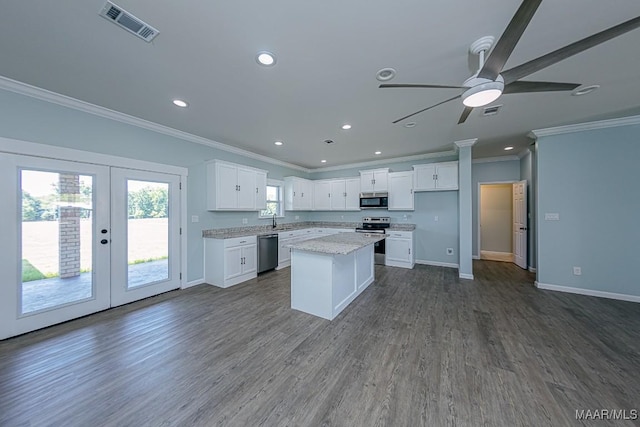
pixel 274 201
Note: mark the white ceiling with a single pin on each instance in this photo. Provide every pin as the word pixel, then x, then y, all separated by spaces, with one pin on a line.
pixel 328 54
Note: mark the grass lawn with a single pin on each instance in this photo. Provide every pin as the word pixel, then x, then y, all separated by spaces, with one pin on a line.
pixel 30 273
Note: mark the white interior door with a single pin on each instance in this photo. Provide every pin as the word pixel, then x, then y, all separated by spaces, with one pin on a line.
pixel 145 240
pixel 520 224
pixel 53 265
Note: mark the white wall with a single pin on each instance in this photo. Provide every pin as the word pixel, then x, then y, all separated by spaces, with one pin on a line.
pixel 496 217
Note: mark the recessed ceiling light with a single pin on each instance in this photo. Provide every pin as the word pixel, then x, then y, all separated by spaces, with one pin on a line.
pixel 385 74
pixel 377 152
pixel 583 90
pixel 508 148
pixel 323 161
pixel 278 142
pixel 266 58
pixel 410 125
pixel 180 103
pixel 346 127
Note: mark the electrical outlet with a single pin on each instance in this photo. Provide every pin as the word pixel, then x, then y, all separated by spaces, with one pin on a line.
pixel 435 218
pixel 195 218
pixel 245 220
pixel 297 217
pixel 449 251
pixel 577 271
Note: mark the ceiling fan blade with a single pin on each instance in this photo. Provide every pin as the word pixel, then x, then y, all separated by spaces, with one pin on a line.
pixel 383 86
pixel 574 48
pixel 465 114
pixel 507 42
pixel 425 109
pixel 526 87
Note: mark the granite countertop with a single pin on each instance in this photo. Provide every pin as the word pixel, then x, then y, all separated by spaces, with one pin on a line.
pixel 338 244
pixel 258 230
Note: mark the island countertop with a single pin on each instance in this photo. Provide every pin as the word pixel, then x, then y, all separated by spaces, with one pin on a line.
pixel 338 244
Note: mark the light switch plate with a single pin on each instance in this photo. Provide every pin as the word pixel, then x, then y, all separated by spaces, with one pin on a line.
pixel 195 218
pixel 551 216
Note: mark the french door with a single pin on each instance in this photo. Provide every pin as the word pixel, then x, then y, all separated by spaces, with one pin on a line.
pixel 78 238
pixel 145 251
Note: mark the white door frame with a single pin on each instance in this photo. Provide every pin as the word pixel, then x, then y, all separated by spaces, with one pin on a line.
pixel 120 291
pixel 13 320
pixel 14 146
pixel 478 216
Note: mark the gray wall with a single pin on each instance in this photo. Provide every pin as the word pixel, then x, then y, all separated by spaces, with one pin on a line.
pixel 590 179
pixel 29 119
pixel 489 172
pixel 432 237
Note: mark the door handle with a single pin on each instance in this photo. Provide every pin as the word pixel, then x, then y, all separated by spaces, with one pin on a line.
pixel 103 231
pixel 104 241
pixel 523 228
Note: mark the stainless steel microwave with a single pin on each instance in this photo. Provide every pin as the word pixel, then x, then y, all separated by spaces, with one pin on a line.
pixel 374 201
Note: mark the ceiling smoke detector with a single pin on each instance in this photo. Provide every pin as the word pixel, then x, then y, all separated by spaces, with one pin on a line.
pixel 385 74
pixel 126 20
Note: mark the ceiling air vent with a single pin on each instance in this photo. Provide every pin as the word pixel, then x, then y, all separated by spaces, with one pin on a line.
pixel 124 19
pixel 491 111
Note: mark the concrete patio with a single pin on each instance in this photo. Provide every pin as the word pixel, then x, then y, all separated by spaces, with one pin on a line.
pixel 47 293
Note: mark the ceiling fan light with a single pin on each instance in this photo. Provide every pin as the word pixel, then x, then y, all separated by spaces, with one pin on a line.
pixel 482 94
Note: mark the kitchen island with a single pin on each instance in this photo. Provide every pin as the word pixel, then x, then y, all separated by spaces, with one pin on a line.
pixel 329 272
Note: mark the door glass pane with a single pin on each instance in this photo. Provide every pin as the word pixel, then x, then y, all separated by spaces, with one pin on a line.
pixel 56 239
pixel 147 232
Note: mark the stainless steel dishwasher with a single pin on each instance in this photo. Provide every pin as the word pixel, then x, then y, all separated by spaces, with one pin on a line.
pixel 267 252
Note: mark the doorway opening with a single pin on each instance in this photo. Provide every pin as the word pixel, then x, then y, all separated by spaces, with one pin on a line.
pixel 502 222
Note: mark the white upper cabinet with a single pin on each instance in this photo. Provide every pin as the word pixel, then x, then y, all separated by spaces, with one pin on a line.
pixel 436 176
pixel 401 191
pixel 298 194
pixel 352 194
pixel 374 181
pixel 345 194
pixel 322 197
pixel 336 194
pixel 261 190
pixel 235 187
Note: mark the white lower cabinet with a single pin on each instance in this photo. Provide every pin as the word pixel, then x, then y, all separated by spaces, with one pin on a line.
pixel 228 262
pixel 400 249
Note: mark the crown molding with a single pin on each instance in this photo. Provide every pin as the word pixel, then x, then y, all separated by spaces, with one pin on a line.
pixel 387 161
pixel 466 142
pixel 581 127
pixel 68 102
pixel 496 159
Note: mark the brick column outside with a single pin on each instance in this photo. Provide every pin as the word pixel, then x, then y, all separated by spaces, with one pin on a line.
pixel 69 231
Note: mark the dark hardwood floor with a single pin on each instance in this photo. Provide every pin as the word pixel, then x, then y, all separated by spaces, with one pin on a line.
pixel 419 347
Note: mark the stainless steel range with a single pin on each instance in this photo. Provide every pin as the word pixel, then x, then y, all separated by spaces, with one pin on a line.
pixel 376 225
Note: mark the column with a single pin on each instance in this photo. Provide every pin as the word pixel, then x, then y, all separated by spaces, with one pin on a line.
pixel 465 269
pixel 69 226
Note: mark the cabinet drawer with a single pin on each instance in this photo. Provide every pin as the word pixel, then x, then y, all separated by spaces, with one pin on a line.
pixel 400 234
pixel 239 241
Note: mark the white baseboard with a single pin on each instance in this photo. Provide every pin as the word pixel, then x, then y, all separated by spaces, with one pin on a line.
pixel 437 263
pixel 465 276
pixel 496 256
pixel 196 282
pixel 588 292
pixel 532 269
pixel 476 257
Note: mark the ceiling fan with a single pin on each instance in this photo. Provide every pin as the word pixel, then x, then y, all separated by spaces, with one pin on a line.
pixel 491 81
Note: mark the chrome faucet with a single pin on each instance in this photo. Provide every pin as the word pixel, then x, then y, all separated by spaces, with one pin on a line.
pixel 274 225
